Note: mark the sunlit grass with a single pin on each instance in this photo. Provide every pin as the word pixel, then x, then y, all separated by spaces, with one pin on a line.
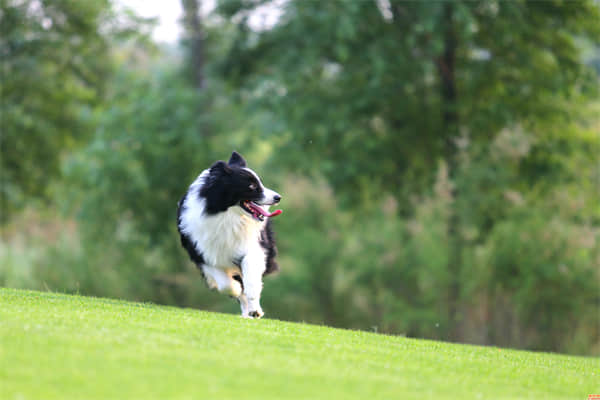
pixel 55 346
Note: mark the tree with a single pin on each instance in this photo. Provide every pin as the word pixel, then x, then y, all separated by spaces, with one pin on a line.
pixel 54 62
pixel 377 93
pixel 390 88
pixel 194 40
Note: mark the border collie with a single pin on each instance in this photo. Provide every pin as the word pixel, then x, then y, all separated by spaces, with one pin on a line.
pixel 223 220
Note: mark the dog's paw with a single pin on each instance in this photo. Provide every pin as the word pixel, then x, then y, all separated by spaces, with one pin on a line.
pixel 256 314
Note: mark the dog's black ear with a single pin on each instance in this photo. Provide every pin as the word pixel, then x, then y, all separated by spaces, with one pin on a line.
pixel 237 160
pixel 220 167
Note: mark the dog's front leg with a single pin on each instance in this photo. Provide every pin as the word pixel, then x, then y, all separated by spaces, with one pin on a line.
pixel 244 305
pixel 253 266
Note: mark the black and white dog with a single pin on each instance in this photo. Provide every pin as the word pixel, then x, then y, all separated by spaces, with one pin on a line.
pixel 223 220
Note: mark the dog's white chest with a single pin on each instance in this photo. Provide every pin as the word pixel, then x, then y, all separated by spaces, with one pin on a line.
pixel 226 237
pixel 223 238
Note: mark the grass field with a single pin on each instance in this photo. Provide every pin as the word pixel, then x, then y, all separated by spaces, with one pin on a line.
pixel 55 346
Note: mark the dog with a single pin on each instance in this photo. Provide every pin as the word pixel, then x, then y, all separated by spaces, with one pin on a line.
pixel 224 224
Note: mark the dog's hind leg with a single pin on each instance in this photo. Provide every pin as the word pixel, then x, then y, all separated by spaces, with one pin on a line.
pixel 222 281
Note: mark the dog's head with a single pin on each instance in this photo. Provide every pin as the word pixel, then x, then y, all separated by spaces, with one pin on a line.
pixel 233 184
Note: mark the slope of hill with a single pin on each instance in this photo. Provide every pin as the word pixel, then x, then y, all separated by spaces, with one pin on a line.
pixel 56 346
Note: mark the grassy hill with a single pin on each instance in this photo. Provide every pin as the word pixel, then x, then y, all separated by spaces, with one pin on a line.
pixel 55 346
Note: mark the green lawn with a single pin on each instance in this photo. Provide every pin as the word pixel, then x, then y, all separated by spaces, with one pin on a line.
pixel 55 346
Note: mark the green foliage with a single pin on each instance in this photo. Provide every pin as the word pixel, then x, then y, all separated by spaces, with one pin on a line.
pixel 363 100
pixel 363 87
pixel 529 265
pixel 525 249
pixel 547 268
pixel 55 61
pixel 126 182
pixel 71 346
pixel 125 169
pixel 407 210
pixel 151 141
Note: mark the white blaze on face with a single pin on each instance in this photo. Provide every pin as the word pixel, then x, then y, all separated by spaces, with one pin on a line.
pixel 269 196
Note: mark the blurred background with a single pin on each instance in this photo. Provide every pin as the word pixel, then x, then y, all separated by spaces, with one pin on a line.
pixel 439 161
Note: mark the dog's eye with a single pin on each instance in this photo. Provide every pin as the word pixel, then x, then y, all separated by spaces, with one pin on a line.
pixel 252 186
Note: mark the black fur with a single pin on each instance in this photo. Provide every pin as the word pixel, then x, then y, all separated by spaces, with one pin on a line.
pixel 267 241
pixel 227 185
pixel 239 279
pixel 185 240
pixel 236 159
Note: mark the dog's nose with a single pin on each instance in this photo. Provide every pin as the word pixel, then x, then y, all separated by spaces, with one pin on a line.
pixel 277 198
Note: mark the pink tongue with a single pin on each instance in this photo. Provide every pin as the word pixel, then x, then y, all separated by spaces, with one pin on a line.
pixel 261 211
pixel 275 213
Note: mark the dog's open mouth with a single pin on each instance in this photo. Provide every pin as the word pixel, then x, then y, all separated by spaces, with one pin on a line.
pixel 257 211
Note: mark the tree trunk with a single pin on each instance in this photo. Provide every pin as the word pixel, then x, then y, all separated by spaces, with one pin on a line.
pixel 446 69
pixel 194 37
